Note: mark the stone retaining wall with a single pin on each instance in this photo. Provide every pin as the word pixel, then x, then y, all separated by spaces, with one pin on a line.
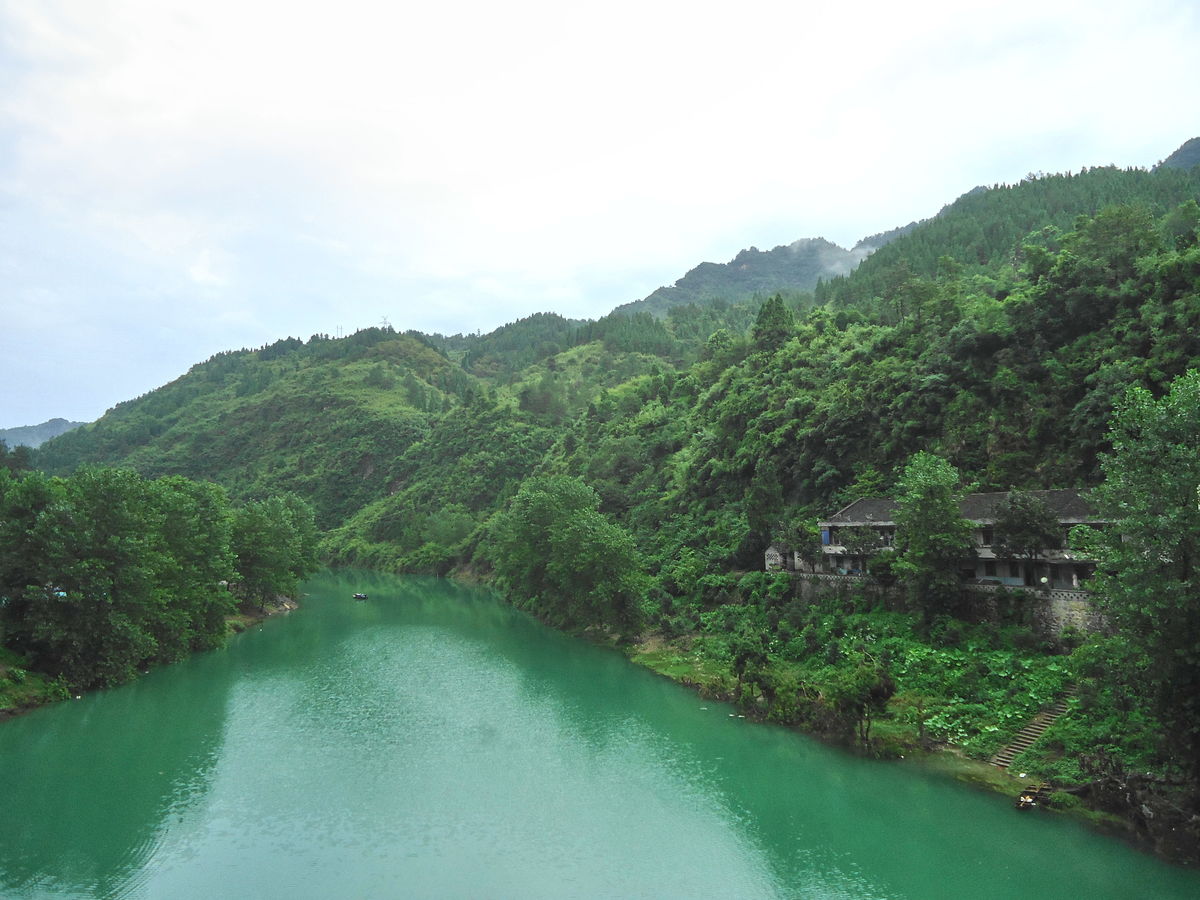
pixel 1048 612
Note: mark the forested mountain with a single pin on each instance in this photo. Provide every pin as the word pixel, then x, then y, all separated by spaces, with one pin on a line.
pixel 1186 157
pixel 626 473
pixel 33 436
pixel 998 333
pixel 326 418
pixel 988 227
pixel 793 267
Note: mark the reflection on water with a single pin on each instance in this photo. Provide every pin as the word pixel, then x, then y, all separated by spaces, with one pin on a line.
pixel 90 785
pixel 431 742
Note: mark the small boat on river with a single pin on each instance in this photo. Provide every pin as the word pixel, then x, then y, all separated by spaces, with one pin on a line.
pixel 360 596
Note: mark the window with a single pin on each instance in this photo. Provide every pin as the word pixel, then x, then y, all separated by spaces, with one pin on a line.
pixel 989 567
pixel 1014 569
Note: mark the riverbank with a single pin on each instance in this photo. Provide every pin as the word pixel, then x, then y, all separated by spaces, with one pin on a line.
pixel 895 740
pixel 242 620
pixel 23 690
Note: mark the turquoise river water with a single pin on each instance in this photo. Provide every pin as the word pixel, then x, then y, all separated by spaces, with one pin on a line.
pixel 432 742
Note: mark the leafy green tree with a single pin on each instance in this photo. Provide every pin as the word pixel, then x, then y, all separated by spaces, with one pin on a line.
pixel 275 545
pixel 764 501
pixel 1148 583
pixel 748 652
pixel 26 546
pixel 932 537
pixel 196 530
pixel 14 460
pixel 858 692
pixel 1181 226
pixel 860 541
pixel 719 346
pixel 556 552
pixel 93 620
pixel 379 377
pixel 868 482
pixel 448 526
pixel 1025 526
pixel 102 578
pixel 774 325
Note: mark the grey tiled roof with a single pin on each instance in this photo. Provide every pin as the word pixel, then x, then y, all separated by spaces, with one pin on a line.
pixel 868 511
pixel 1066 504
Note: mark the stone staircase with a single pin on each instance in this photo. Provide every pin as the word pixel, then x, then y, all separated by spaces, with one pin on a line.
pixel 1031 732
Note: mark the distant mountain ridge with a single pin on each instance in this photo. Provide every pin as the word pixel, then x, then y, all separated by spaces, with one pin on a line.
pixel 33 436
pixel 802 264
pixel 1186 157
pixel 797 266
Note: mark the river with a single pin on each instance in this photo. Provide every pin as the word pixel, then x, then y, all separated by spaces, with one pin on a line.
pixel 432 742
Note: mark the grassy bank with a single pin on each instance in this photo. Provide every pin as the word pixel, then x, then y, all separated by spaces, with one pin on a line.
pixel 899 731
pixel 22 689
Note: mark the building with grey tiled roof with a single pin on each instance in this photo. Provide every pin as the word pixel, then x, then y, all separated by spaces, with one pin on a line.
pixel 855 533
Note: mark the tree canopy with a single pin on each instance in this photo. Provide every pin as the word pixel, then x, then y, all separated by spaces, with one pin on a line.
pixel 1149 578
pixel 932 537
pixel 553 548
pixel 1025 525
pixel 104 572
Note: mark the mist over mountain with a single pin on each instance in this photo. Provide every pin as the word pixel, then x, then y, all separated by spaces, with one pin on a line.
pixel 34 436
pixel 797 266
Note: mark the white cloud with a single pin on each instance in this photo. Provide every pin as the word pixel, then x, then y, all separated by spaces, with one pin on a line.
pixel 265 167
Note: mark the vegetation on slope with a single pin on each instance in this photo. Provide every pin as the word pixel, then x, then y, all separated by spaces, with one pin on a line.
pixel 996 339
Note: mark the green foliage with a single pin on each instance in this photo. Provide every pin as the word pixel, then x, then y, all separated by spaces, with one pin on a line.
pixel 1149 578
pixel 104 572
pixel 554 547
pixel 1025 526
pixel 275 544
pixel 323 420
pixel 15 460
pixel 793 269
pixel 518 345
pixel 987 224
pixel 991 340
pixel 774 325
pixel 931 534
pixel 839 665
pixel 860 691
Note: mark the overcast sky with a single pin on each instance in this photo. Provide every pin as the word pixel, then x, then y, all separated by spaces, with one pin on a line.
pixel 181 178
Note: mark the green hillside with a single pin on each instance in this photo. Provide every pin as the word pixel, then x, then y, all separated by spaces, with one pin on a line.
pixel 1186 157
pixel 326 419
pixel 625 475
pixel 998 333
